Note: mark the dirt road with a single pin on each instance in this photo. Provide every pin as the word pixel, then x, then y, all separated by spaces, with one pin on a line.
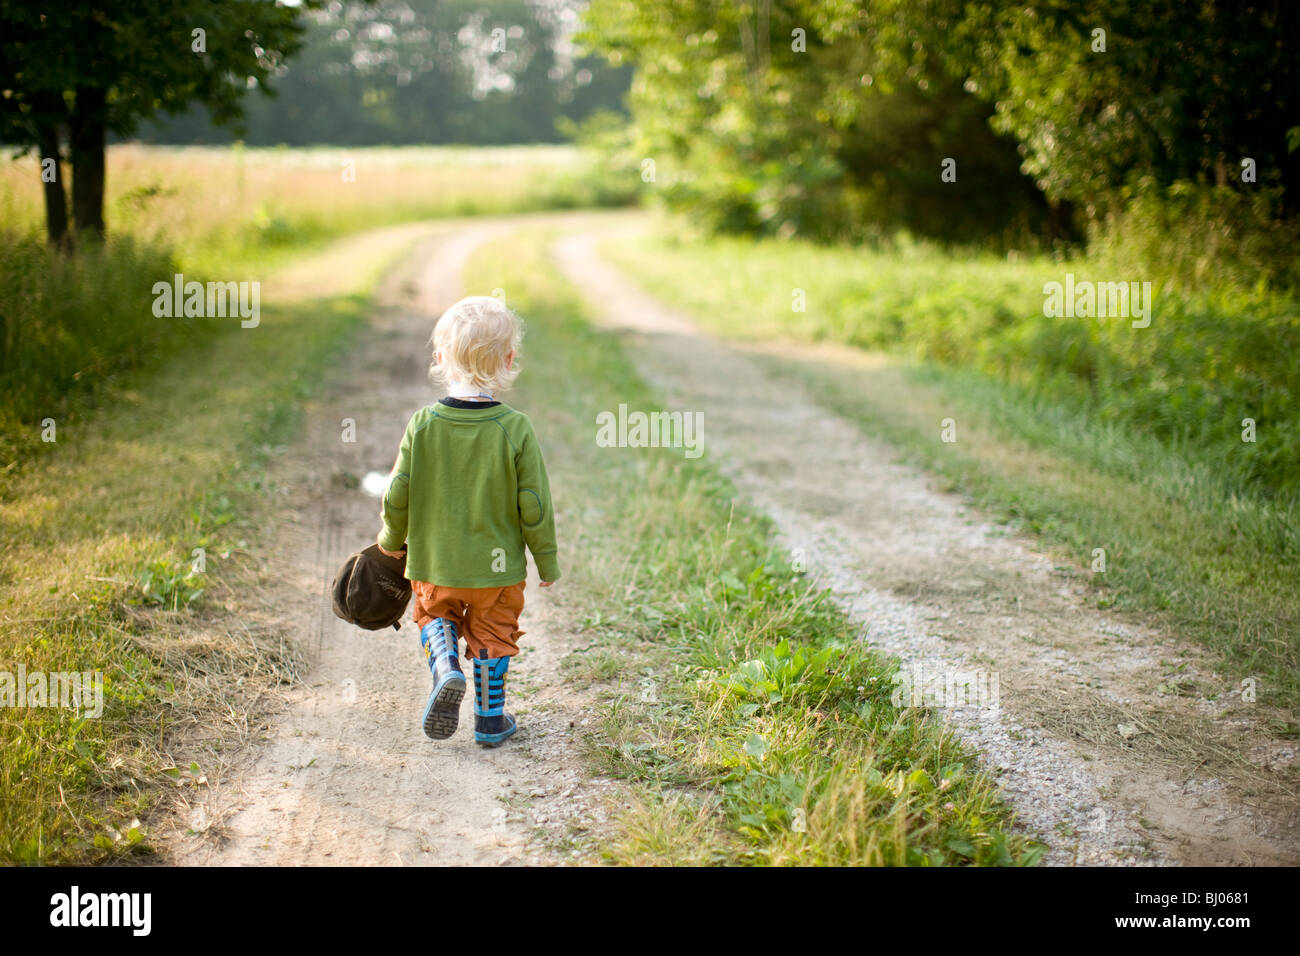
pixel 344 774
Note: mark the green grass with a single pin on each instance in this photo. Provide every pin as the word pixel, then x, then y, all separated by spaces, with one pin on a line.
pixel 1189 534
pixel 749 720
pixel 71 325
pixel 1206 362
pixel 96 565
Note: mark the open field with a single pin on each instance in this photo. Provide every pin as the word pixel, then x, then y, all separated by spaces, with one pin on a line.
pixel 231 209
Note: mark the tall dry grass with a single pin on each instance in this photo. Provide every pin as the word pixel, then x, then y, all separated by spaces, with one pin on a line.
pixel 224 206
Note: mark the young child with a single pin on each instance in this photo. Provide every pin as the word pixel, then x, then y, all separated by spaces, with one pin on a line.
pixel 468 491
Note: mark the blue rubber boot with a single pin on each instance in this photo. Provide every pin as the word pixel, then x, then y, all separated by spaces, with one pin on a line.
pixel 492 724
pixel 442 712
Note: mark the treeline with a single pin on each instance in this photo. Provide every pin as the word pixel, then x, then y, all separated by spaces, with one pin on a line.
pixel 399 72
pixel 961 120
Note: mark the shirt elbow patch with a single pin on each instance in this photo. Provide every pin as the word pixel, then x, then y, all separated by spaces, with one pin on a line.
pixel 530 508
pixel 397 493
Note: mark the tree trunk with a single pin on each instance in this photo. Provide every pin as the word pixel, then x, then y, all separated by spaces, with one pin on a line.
pixel 89 121
pixel 46 122
pixel 1060 220
pixel 56 201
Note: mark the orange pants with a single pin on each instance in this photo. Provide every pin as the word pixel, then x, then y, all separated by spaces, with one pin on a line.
pixel 488 618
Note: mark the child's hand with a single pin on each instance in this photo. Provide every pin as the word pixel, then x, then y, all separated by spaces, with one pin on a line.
pixel 391 554
pixel 547 584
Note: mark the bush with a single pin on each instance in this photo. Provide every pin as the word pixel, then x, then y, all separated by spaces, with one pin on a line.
pixel 1198 237
pixel 69 323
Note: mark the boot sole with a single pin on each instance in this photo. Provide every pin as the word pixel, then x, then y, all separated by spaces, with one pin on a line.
pixel 442 713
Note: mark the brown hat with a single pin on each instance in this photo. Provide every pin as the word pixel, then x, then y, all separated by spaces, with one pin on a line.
pixel 371 590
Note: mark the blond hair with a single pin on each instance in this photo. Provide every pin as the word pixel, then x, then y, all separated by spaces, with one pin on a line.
pixel 475 338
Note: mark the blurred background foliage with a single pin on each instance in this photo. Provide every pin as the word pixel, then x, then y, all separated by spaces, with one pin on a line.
pixel 401 72
pixel 830 119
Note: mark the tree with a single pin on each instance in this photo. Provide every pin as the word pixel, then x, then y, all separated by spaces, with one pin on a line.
pixel 803 117
pixel 1114 96
pixel 81 69
pixel 818 116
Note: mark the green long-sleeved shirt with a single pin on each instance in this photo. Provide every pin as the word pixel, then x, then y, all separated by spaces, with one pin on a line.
pixel 468 492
